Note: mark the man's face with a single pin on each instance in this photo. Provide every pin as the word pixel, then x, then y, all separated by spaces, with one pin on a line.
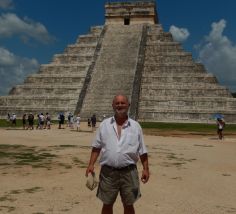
pixel 120 106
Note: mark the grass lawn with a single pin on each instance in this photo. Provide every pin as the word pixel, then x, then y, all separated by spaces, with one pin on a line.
pixel 190 128
pixel 158 127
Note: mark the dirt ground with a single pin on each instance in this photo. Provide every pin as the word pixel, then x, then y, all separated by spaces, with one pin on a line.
pixel 42 172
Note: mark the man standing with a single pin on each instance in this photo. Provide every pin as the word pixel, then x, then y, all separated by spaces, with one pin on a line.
pixel 119 139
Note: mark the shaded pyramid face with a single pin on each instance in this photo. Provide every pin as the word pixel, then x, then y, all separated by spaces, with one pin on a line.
pixel 132 55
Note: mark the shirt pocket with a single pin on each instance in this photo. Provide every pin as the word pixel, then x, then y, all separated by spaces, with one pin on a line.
pixel 132 142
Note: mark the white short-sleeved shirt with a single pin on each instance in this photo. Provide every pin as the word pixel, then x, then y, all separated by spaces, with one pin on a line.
pixel 119 152
pixel 78 120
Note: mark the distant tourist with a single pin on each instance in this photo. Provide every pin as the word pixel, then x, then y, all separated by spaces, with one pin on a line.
pixel 8 117
pixel 41 121
pixel 13 119
pixel 24 121
pixel 30 121
pixel 61 121
pixel 77 120
pixel 220 127
pixel 48 121
pixel 89 122
pixel 93 121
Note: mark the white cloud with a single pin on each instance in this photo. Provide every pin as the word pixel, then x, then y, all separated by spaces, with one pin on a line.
pixel 179 34
pixel 14 69
pixel 218 54
pixel 6 4
pixel 11 24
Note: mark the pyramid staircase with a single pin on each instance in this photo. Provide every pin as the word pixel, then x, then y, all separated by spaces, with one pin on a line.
pixel 115 69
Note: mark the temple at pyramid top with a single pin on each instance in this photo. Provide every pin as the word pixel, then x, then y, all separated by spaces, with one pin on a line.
pixel 131 12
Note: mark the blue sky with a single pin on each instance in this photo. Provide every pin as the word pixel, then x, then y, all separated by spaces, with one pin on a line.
pixel 32 31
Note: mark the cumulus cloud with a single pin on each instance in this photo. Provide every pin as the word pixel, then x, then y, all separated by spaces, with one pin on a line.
pixel 218 54
pixel 11 25
pixel 179 34
pixel 14 69
pixel 6 4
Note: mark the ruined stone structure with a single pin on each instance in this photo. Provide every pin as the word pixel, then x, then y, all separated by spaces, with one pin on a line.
pixel 130 54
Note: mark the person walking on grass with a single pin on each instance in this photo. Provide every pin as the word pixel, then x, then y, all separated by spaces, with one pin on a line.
pixel 220 127
pixel 119 140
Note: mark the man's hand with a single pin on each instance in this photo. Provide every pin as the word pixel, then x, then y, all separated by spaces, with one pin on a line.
pixel 94 155
pixel 90 169
pixel 145 176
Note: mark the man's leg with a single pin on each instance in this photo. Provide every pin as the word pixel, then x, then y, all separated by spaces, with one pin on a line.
pixel 107 209
pixel 128 209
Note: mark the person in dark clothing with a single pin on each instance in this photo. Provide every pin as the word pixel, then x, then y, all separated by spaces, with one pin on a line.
pixel 93 121
pixel 61 120
pixel 30 121
pixel 89 122
pixel 24 121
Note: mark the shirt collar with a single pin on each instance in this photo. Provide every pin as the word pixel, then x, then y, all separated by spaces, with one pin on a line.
pixel 128 123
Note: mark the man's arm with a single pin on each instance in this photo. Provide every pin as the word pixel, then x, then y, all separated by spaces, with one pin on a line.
pixel 145 172
pixel 93 157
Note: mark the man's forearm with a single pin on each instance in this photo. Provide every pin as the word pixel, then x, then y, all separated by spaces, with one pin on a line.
pixel 144 161
pixel 94 155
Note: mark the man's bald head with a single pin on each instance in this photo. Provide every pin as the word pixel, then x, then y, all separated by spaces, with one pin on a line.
pixel 120 105
pixel 120 96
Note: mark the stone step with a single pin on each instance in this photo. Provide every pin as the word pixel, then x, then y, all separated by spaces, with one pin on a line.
pixel 161 59
pixel 72 58
pixel 160 37
pixel 87 39
pixel 163 47
pixel 57 89
pixel 148 76
pixel 155 29
pixel 96 30
pixel 46 101
pixel 206 78
pixel 175 54
pixel 177 64
pixel 55 79
pixel 180 86
pixel 187 92
pixel 67 75
pixel 188 110
pixel 163 115
pixel 173 68
pixel 80 49
pixel 63 68
pixel 188 103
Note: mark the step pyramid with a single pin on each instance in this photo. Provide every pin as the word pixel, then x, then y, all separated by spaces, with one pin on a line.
pixel 129 54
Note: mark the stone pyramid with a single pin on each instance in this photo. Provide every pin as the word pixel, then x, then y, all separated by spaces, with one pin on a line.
pixel 130 54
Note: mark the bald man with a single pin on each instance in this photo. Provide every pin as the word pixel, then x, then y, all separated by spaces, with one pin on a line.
pixel 119 139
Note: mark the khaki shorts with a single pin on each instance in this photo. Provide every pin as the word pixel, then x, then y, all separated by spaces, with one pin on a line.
pixel 113 181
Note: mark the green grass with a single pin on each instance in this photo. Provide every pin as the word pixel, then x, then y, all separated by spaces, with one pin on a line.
pixel 189 127
pixel 23 155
